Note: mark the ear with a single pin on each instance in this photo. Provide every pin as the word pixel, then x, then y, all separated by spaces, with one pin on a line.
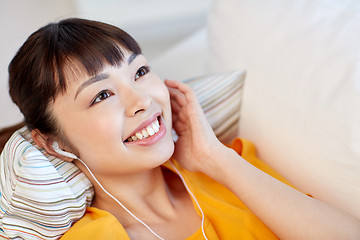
pixel 45 142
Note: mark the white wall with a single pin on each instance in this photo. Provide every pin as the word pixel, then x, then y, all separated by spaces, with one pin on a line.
pixel 155 24
pixel 18 19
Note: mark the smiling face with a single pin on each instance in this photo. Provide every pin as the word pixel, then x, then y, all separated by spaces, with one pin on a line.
pixel 118 121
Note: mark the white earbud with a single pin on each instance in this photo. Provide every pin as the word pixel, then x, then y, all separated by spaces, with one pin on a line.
pixel 57 149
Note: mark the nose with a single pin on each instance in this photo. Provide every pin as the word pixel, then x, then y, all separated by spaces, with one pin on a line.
pixel 137 101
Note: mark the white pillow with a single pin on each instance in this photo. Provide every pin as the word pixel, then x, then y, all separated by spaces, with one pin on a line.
pixel 301 103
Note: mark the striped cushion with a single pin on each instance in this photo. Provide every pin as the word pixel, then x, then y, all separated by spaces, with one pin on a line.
pixel 41 196
pixel 220 98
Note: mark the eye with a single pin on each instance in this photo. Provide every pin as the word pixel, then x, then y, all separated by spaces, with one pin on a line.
pixel 142 71
pixel 104 94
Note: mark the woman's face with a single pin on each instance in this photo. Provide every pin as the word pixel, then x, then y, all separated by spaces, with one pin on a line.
pixel 119 121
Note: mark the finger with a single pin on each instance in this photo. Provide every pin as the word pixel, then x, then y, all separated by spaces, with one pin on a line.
pixel 176 95
pixel 175 107
pixel 177 113
pixel 171 83
pixel 177 85
pixel 174 120
pixel 178 127
pixel 182 87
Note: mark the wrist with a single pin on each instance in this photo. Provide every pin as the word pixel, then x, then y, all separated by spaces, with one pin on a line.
pixel 220 163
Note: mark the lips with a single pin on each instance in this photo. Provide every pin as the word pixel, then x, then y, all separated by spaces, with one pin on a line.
pixel 146 132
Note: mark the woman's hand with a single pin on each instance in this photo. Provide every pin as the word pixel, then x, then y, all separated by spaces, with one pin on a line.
pixel 197 140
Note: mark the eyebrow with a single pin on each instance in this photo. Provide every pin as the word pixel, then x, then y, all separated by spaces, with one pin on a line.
pixel 90 81
pixel 101 76
pixel 132 58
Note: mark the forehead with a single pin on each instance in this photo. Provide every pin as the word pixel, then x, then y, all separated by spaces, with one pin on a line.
pixel 79 68
pixel 106 73
pixel 77 61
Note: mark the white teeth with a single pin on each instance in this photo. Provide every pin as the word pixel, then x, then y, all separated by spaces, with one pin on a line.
pixel 155 127
pixel 150 130
pixel 139 135
pixel 146 132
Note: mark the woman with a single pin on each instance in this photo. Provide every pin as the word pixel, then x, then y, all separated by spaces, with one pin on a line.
pixel 85 88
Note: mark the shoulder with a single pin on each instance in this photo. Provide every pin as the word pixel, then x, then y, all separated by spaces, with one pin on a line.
pixel 96 224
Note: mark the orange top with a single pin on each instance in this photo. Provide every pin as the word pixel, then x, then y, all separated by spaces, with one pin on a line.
pixel 226 217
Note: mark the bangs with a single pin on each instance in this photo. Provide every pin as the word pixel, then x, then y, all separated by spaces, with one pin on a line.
pixel 91 44
pixel 51 56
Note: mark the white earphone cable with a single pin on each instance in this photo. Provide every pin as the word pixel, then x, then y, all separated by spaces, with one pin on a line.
pixel 127 210
pixel 144 224
pixel 193 196
pixel 67 154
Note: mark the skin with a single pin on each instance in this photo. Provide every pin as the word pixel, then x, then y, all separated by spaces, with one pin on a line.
pixel 133 173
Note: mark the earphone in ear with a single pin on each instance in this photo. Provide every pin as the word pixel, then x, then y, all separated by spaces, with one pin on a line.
pixel 57 149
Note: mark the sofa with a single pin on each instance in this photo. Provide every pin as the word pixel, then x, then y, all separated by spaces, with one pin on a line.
pixel 301 97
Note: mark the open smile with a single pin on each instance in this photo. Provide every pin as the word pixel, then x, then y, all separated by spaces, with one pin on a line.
pixel 148 134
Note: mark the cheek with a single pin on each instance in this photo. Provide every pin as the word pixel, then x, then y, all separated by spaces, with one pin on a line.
pixel 163 98
pixel 102 128
pixel 162 94
pixel 98 139
pixel 85 131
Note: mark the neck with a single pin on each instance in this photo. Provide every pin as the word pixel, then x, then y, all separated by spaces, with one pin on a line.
pixel 147 195
pixel 155 199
